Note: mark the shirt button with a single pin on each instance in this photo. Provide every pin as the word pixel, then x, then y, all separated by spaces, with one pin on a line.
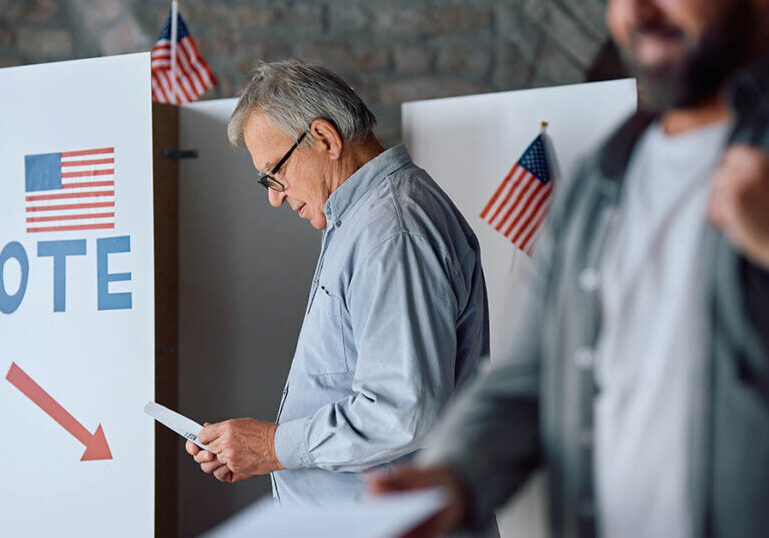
pixel 584 358
pixel 338 223
pixel 589 279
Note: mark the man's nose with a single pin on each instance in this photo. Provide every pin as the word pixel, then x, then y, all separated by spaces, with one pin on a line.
pixel 276 198
pixel 637 11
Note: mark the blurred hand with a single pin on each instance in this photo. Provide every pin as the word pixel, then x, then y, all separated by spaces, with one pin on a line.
pixel 739 201
pixel 411 478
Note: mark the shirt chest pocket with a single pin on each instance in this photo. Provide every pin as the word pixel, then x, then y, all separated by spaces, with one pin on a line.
pixel 323 340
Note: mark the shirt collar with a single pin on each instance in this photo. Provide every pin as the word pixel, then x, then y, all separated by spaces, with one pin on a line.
pixel 368 175
pixel 750 87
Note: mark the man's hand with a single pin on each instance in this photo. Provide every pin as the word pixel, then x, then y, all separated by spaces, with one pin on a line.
pixel 410 478
pixel 739 201
pixel 238 449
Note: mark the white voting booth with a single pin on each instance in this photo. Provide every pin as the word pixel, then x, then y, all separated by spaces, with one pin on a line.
pixel 88 297
pixel 76 301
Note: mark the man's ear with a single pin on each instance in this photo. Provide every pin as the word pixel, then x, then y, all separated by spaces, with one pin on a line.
pixel 326 138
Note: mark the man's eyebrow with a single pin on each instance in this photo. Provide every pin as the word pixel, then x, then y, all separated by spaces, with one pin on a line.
pixel 266 168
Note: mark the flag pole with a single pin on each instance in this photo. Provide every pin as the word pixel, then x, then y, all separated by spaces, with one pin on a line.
pixel 174 33
pixel 555 168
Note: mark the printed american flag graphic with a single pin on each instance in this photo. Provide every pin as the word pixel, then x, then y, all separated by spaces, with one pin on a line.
pixel 193 75
pixel 520 204
pixel 71 190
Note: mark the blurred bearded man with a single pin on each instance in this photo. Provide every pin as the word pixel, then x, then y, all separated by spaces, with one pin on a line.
pixel 640 374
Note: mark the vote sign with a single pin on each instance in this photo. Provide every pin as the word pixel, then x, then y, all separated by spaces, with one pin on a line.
pixel 77 297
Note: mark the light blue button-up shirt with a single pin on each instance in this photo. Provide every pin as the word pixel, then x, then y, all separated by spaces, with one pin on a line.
pixel 396 322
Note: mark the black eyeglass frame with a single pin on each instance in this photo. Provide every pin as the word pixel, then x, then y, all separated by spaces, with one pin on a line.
pixel 267 179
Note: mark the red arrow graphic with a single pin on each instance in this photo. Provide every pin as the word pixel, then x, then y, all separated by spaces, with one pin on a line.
pixel 96 447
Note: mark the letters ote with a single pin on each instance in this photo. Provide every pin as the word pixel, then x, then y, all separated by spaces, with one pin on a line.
pixel 59 251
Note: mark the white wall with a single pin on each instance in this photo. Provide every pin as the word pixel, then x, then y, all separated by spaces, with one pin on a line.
pixel 245 270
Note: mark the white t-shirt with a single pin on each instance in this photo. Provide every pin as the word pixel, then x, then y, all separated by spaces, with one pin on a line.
pixel 653 341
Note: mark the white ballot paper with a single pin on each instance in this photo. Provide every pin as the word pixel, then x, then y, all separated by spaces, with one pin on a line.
pixel 179 423
pixel 388 516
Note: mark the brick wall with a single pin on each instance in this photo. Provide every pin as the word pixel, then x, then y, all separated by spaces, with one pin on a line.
pixel 389 50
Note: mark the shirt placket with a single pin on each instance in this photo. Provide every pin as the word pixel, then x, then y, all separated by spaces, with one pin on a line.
pixel 589 281
pixel 327 235
pixel 313 289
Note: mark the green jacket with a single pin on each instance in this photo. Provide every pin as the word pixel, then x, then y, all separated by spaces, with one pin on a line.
pixel 534 405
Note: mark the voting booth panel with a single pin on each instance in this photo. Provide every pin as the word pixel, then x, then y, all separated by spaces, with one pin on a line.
pixel 468 145
pixel 77 298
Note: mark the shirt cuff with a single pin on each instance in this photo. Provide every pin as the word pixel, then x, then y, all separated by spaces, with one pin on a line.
pixel 291 444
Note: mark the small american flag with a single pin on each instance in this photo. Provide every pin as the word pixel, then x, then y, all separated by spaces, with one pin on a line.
pixel 182 62
pixel 71 190
pixel 520 204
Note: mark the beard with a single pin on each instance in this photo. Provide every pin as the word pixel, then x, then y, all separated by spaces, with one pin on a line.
pixel 704 67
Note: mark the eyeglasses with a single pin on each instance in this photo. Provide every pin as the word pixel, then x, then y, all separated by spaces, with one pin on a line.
pixel 268 179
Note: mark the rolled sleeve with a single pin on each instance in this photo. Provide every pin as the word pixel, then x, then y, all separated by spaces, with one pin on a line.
pixel 291 443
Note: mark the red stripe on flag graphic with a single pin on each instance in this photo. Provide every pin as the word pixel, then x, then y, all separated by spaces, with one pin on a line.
pixel 88 173
pixel 87 162
pixel 71 217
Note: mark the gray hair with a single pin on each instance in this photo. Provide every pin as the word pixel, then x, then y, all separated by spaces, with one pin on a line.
pixel 293 94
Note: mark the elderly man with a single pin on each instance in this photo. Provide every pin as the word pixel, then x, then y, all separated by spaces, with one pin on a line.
pixel 640 374
pixel 396 319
